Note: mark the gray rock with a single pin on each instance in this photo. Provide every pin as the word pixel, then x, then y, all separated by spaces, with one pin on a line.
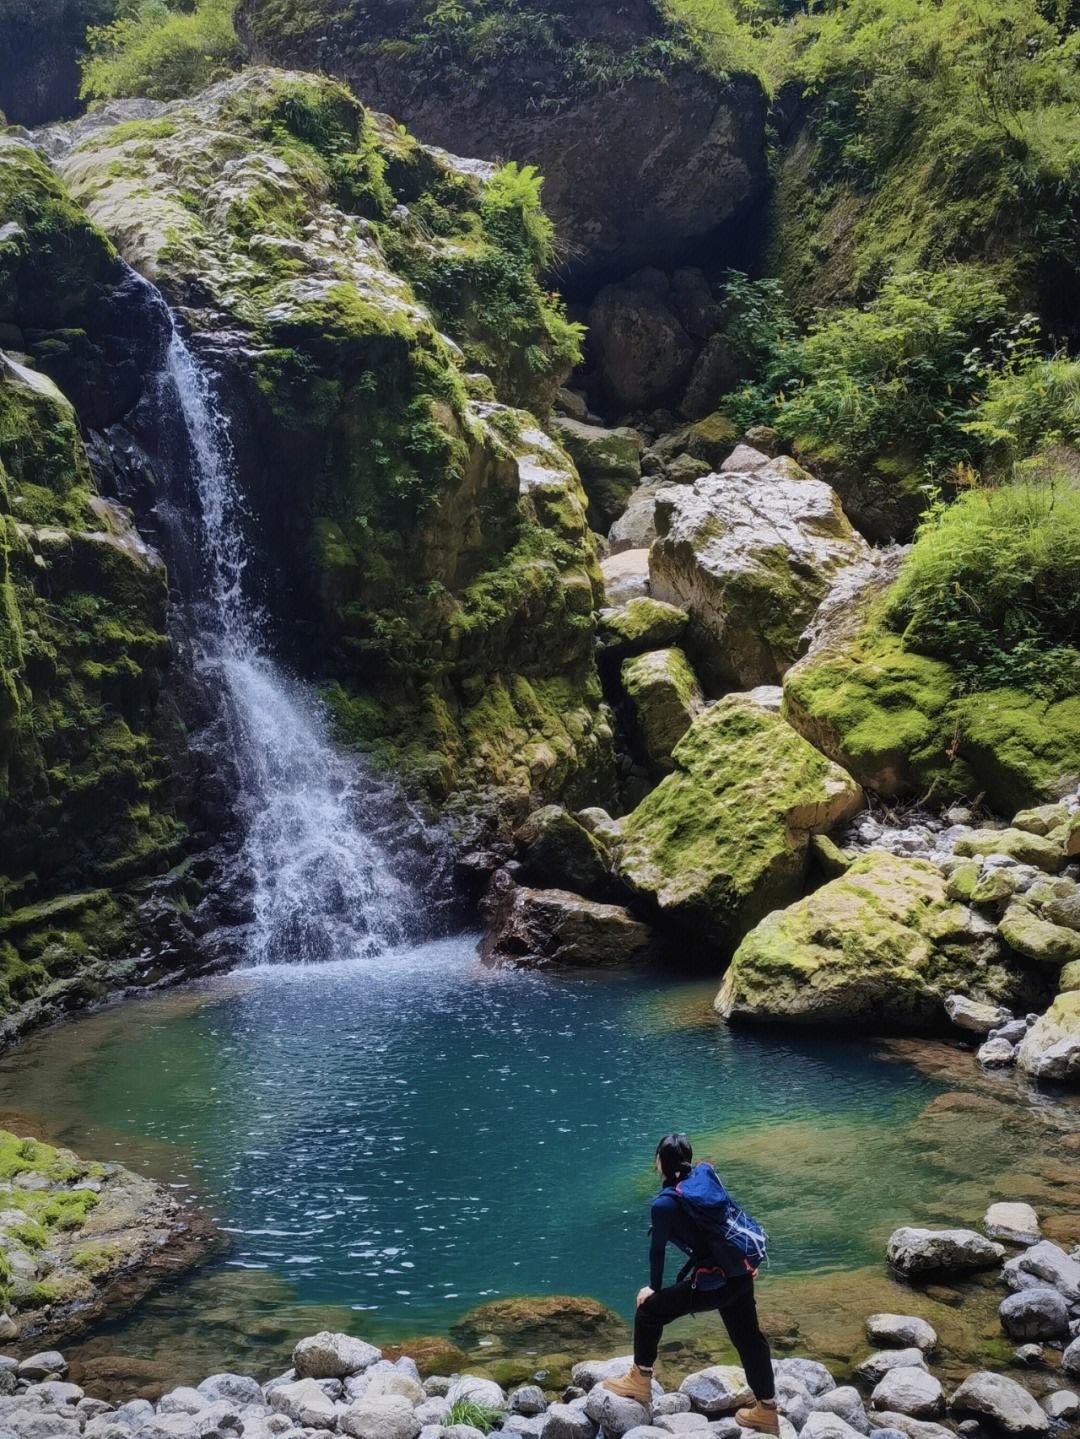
pixel 1063 1405
pixel 1070 1360
pixel 815 1376
pixel 911 1428
pixel 395 1381
pixel 909 1389
pixel 645 1431
pixel 333 1356
pixel 437 1385
pixel 846 1403
pixel 1001 1400
pixel 462 1431
pixel 590 1372
pixel 50 1364
pixel 1049 1264
pixel 671 1404
pixel 1032 1314
pixel 240 1388
pixel 613 1413
pixel 681 1423
pixel 729 1427
pixel 1013 1032
pixel 916 1252
pixel 182 1400
pixel 824 1425
pixel 904 1331
pixel 996 1054
pixel 104 1426
pixel 720 1389
pixel 1013 1222
pixel 54 1392
pixel 432 1411
pixel 1030 1354
pixel 975 1016
pixel 793 1399
pixel 878 1365
pixel 306 1404
pixel 477 1391
pixel 563 1421
pixel 527 1399
pixel 388 1417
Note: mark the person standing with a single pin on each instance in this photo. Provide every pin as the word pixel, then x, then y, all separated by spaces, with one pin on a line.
pixel 703 1285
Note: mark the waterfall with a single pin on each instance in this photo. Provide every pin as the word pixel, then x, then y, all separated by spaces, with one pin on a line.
pixel 322 887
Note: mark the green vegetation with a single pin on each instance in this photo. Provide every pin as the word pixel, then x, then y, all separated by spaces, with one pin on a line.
pixel 476 1416
pixel 993 586
pixel 159 51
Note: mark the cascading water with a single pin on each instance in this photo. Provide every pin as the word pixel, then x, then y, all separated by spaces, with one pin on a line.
pixel 322 887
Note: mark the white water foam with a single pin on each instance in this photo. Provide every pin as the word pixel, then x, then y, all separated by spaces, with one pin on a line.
pixel 323 889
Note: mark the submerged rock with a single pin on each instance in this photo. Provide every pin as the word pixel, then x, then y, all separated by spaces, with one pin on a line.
pixel 880 944
pixel 724 838
pixel 750 555
pixel 1012 1221
pixel 1035 1314
pixel 902 1330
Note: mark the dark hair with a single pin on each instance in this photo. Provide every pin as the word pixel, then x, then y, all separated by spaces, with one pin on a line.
pixel 675 1156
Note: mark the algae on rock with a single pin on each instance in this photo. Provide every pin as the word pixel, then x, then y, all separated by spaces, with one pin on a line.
pixel 725 838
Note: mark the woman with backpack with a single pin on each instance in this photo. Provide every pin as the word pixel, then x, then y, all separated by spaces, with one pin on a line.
pixel 693 1212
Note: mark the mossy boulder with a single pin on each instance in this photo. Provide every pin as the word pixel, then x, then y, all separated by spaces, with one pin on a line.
pixel 1018 844
pixel 1024 930
pixel 609 463
pixel 898 721
pixel 664 698
pixel 541 1323
pixel 555 850
pixel 725 838
pixel 882 945
pixel 642 624
pixel 750 554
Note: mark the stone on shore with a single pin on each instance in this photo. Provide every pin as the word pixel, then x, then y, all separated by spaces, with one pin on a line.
pixel 473 1389
pixel 613 1413
pixel 974 1015
pixel 1031 934
pixel 564 1421
pixel 725 838
pixel 1034 1315
pixel 552 928
pixel 1051 1047
pixel 1045 1263
pixel 1013 1222
pixel 1005 1403
pixel 720 1389
pixel 333 1356
pixel 880 944
pixel 750 555
pixel 876 1366
pixel 810 1372
pixel 904 1331
pixel 920 1252
pixel 908 1389
pixel 825 1425
pixel 845 1402
pixel 556 851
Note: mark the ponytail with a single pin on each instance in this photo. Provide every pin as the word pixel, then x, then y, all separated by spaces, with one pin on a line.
pixel 676 1158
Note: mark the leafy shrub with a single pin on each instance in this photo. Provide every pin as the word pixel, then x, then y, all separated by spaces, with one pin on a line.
pixel 513 213
pixel 161 54
pixel 1030 404
pixel 993 585
pixel 476 1416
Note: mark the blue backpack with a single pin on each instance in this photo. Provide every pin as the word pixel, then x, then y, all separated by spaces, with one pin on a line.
pixel 732 1243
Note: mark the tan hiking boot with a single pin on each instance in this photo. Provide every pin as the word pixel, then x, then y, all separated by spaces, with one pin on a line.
pixel 762 1417
pixel 635 1385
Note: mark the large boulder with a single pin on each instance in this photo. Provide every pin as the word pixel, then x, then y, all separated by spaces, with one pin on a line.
pixel 902 1331
pixel 543 928
pixel 664 697
pixel 1007 1405
pixel 556 851
pixel 881 944
pixel 1051 1047
pixel 895 719
pixel 720 1389
pixel 332 1356
pixel 609 463
pixel 635 529
pixel 750 553
pixel 641 624
pixel 725 837
pixel 917 1253
pixel 641 350
pixel 909 1389
pixel 1034 1315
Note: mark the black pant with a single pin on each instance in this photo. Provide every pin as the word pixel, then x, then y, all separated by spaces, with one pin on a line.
pixel 738 1310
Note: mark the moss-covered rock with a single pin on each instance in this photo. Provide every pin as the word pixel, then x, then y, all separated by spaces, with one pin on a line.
pixel 749 554
pixel 896 719
pixel 88 775
pixel 1029 933
pixel 1018 844
pixel 882 946
pixel 724 839
pixel 642 624
pixel 556 851
pixel 664 698
pixel 609 463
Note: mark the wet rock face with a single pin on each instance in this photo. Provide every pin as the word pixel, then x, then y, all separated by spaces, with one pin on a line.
pixel 636 170
pixel 749 553
pixel 553 928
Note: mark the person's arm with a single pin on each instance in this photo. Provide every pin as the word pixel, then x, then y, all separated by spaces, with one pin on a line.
pixel 661 1229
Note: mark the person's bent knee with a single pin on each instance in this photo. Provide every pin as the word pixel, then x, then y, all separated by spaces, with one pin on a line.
pixel 651 1308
